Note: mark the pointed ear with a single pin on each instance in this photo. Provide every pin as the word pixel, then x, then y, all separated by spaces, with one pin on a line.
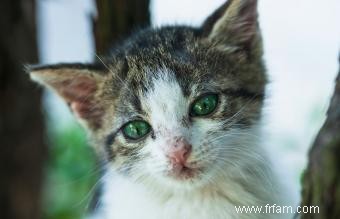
pixel 78 85
pixel 234 24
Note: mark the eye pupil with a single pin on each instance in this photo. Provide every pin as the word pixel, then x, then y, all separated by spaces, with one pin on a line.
pixel 136 129
pixel 204 105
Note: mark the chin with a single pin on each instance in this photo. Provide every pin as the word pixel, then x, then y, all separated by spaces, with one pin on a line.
pixel 186 179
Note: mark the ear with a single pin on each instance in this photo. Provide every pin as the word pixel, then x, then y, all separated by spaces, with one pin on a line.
pixel 234 24
pixel 78 85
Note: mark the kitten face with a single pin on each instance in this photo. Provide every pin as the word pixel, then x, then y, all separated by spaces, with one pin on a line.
pixel 139 102
pixel 163 98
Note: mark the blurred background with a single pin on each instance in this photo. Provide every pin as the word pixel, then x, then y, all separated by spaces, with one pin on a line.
pixel 301 40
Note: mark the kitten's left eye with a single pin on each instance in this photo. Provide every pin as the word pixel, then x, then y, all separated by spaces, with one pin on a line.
pixel 136 129
pixel 204 105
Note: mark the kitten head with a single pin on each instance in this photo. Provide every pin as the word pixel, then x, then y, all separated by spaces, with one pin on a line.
pixel 174 105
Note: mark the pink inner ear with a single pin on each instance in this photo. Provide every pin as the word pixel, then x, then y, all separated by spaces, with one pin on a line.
pixel 78 89
pixel 90 111
pixel 79 93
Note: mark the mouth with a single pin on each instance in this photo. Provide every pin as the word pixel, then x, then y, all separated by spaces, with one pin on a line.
pixel 184 172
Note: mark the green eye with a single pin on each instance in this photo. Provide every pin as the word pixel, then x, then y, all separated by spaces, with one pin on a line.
pixel 204 105
pixel 136 129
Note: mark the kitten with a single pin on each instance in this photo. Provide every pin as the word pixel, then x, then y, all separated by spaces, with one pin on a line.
pixel 175 113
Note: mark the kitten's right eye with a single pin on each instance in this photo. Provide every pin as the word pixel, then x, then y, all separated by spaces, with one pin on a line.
pixel 136 129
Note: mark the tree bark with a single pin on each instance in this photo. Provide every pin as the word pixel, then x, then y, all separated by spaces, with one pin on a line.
pixel 21 124
pixel 116 19
pixel 321 181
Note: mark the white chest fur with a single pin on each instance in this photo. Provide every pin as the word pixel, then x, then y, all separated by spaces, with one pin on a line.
pixel 126 200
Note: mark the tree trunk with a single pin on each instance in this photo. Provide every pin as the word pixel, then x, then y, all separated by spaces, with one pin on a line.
pixel 21 124
pixel 116 19
pixel 321 181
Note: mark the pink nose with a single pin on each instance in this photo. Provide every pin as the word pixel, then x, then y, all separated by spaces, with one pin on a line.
pixel 179 151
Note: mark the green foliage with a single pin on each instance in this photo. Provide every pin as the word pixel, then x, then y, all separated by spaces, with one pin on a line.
pixel 71 173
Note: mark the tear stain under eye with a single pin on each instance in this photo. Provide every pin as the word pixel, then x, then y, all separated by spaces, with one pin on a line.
pixel 108 143
pixel 185 121
pixel 112 152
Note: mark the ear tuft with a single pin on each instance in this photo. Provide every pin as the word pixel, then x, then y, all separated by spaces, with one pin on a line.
pixel 233 24
pixel 78 85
